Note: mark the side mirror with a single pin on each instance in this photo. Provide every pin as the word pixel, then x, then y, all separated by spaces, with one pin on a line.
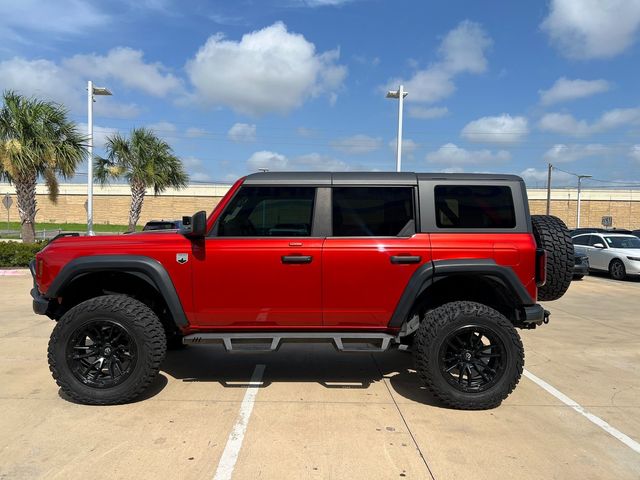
pixel 598 245
pixel 195 226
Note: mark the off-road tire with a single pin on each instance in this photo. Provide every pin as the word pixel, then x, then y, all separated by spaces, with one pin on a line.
pixel 434 329
pixel 617 269
pixel 552 235
pixel 142 326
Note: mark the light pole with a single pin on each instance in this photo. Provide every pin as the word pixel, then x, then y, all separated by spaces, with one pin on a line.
pixel 580 177
pixel 399 94
pixel 91 91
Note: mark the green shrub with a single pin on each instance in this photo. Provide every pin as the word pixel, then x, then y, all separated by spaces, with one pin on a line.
pixel 16 254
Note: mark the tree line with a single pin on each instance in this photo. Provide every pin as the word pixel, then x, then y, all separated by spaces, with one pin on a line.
pixel 39 142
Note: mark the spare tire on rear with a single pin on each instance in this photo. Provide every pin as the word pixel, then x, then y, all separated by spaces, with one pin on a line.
pixel 552 235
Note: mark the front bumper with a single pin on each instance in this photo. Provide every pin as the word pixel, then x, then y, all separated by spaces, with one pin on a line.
pixel 40 303
pixel 535 315
pixel 581 269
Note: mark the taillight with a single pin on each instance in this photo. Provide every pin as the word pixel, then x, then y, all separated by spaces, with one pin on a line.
pixel 541 266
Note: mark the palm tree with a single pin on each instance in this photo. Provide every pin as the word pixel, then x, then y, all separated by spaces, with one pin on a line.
pixel 145 161
pixel 36 139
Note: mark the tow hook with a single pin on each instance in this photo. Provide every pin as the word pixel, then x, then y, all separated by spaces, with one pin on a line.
pixel 547 314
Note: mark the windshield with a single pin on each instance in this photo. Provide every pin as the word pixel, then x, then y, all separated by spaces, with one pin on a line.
pixel 623 242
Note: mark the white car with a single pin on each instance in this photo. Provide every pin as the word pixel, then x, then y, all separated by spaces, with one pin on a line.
pixel 616 253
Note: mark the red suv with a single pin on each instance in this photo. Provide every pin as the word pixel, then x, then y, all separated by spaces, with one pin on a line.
pixel 446 265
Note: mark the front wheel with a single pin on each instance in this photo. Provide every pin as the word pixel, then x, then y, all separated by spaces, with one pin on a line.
pixel 617 269
pixel 106 350
pixel 468 355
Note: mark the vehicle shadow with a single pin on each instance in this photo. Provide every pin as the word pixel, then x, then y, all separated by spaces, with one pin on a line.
pixel 319 364
pixel 629 278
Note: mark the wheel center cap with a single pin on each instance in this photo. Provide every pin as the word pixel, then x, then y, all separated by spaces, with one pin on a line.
pixel 466 356
pixel 107 350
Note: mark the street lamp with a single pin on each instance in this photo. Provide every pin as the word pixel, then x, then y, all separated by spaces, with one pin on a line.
pixel 580 177
pixel 399 94
pixel 91 91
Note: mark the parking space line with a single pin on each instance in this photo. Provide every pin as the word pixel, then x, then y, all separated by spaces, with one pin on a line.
pixel 234 442
pixel 628 441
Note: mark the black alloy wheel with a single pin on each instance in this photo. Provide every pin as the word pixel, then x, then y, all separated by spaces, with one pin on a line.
pixel 472 358
pixel 106 350
pixel 468 355
pixel 101 353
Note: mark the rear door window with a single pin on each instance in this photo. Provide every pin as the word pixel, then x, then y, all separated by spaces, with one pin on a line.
pixel 474 206
pixel 373 211
pixel 581 240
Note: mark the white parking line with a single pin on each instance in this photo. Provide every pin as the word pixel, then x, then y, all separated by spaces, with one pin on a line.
pixel 628 441
pixel 234 442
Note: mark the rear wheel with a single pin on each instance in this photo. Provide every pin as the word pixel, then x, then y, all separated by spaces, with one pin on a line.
pixel 468 355
pixel 617 269
pixel 106 350
pixel 552 235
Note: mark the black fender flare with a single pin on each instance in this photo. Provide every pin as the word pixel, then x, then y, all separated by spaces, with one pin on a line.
pixel 146 268
pixel 429 272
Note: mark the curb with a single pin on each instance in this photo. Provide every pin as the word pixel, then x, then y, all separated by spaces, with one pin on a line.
pixel 14 273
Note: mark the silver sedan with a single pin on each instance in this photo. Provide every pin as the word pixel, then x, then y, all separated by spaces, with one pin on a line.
pixel 617 254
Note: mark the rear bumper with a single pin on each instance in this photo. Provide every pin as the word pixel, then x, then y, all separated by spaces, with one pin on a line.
pixel 535 314
pixel 40 303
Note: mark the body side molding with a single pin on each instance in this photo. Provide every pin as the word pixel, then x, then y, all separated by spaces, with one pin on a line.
pixel 138 265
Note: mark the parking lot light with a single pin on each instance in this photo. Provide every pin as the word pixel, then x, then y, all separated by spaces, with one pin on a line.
pixel 580 177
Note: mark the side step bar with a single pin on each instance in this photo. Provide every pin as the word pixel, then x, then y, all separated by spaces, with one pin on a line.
pixel 271 341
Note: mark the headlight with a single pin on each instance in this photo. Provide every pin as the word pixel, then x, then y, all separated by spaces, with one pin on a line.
pixel 637 259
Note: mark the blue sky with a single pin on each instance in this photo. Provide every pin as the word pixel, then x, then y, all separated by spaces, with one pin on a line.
pixel 497 86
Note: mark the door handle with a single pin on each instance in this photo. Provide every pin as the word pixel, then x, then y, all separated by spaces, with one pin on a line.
pixel 403 259
pixel 296 259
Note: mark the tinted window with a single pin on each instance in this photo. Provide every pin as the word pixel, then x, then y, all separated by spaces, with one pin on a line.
pixel 474 206
pixel 269 212
pixel 581 240
pixel 373 211
pixel 593 239
pixel 623 242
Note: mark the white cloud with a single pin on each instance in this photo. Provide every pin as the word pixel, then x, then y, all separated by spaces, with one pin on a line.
pixel 306 132
pixel 634 153
pixel 502 129
pixel 267 159
pixel 268 70
pixel 561 153
pixel 65 82
pixel 587 29
pixel 409 146
pixel 100 134
pixel 128 67
pixel 311 161
pixel 242 132
pixel 462 50
pixel 567 124
pixel 565 90
pixel 426 112
pixel 196 169
pixel 63 17
pixel 452 155
pixel 319 162
pixel 162 127
pixel 357 144
pixel 195 132
pixel 535 177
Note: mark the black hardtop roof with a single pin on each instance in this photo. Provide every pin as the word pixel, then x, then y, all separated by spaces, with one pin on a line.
pixel 368 178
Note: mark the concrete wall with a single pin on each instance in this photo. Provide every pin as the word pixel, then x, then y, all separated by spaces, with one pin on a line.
pixel 111 204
